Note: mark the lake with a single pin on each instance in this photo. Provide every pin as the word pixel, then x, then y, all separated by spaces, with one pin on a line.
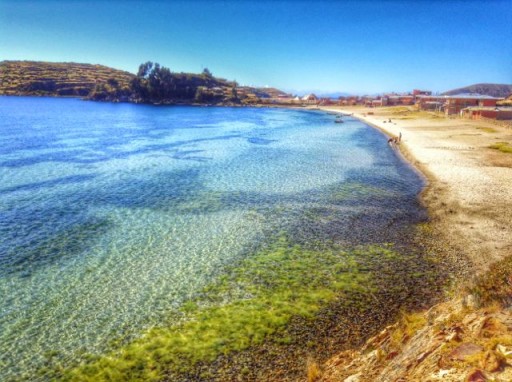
pixel 114 215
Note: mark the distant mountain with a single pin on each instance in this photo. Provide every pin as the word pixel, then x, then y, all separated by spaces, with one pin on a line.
pixel 334 95
pixel 320 93
pixel 58 78
pixel 494 90
pixel 271 92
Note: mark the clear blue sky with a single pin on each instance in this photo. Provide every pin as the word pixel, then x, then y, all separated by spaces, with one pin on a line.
pixel 352 46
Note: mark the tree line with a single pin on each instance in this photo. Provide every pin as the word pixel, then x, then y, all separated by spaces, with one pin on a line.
pixel 157 84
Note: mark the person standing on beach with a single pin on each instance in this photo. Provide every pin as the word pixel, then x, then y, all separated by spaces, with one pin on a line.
pixel 400 137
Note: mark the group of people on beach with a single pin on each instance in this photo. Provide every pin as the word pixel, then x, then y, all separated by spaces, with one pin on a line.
pixel 395 140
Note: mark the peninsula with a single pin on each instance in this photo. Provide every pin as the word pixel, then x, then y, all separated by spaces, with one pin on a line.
pixel 153 84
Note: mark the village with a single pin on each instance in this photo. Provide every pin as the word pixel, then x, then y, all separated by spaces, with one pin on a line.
pixel 466 105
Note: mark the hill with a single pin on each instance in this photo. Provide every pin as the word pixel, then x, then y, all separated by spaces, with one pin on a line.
pixel 152 84
pixel 57 78
pixel 494 90
pixel 270 92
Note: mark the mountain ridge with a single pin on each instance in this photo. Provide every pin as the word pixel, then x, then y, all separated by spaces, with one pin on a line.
pixel 494 90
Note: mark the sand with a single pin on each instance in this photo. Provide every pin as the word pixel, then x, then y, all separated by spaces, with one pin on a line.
pixel 469 192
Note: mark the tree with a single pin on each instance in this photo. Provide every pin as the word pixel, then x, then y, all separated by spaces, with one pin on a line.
pixel 144 69
pixel 113 82
pixel 206 73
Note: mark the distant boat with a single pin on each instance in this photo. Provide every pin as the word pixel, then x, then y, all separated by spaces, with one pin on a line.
pixel 338 121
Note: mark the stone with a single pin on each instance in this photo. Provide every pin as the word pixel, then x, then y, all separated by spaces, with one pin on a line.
pixel 455 335
pixel 443 373
pixel 469 302
pixel 422 356
pixel 476 376
pixel 353 378
pixel 469 319
pixel 492 327
pixel 490 362
pixel 504 351
pixel 391 355
pixel 465 350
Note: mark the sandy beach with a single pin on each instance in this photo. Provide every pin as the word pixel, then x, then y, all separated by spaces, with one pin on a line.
pixel 470 185
pixel 468 197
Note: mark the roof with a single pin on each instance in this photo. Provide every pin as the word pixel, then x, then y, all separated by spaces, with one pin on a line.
pixel 400 96
pixel 423 96
pixel 459 96
pixel 499 108
pixel 309 97
pixel 471 96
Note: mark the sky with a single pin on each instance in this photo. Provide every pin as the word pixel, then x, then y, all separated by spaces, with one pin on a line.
pixel 360 47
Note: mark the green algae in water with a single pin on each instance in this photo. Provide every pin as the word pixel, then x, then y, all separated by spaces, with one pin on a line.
pixel 180 203
pixel 357 191
pixel 272 286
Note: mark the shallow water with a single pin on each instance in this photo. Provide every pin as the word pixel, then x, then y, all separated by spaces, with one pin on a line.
pixel 112 215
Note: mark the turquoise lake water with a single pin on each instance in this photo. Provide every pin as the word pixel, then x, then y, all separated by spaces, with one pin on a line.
pixel 113 215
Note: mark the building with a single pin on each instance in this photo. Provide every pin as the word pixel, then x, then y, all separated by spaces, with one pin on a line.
pixel 395 100
pixel 310 98
pixel 478 112
pixel 326 102
pixel 417 92
pixel 381 101
pixel 430 102
pixel 348 101
pixel 454 104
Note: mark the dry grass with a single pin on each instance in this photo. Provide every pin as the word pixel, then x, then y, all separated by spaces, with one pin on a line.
pixel 487 129
pixel 504 147
pixel 495 286
pixel 408 325
pixel 48 78
pixel 314 372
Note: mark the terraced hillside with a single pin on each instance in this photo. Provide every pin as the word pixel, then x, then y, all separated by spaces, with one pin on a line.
pixel 58 79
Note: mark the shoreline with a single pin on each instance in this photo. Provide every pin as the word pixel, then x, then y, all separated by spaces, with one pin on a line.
pixel 468 202
pixel 355 310
pixel 469 185
pixel 431 147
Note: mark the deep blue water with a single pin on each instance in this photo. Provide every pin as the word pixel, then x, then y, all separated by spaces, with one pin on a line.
pixel 112 215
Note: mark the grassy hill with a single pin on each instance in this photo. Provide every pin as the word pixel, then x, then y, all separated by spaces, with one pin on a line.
pixel 156 85
pixel 57 78
pixel 494 90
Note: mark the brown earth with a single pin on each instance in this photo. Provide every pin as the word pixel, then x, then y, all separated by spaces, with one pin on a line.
pixel 57 78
